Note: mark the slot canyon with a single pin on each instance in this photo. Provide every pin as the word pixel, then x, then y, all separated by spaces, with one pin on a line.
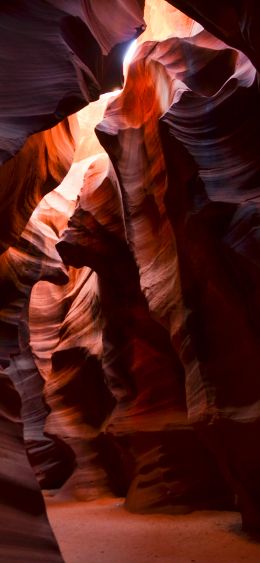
pixel 130 281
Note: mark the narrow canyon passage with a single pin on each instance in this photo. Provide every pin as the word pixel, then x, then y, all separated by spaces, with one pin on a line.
pixel 129 281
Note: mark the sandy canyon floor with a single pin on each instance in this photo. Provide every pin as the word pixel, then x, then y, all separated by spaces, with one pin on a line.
pixel 104 532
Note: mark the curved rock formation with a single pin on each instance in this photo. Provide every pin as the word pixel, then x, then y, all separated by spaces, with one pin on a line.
pixel 35 170
pixel 155 331
pixel 164 20
pixel 34 258
pixel 25 532
pixel 58 61
pixel 236 23
pixel 209 204
pixel 141 440
pixel 55 59
pixel 212 201
pixel 66 340
pixel 114 228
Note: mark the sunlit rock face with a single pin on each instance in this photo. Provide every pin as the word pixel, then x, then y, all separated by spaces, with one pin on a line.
pixel 164 20
pixel 35 170
pixel 236 23
pixel 143 325
pixel 140 441
pixel 34 258
pixel 66 340
pixel 54 60
pixel 184 240
pixel 58 60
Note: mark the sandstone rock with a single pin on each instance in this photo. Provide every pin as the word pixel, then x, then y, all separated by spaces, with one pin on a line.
pixel 55 60
pixel 34 258
pixel 25 532
pixel 233 22
pixel 156 327
pixel 141 367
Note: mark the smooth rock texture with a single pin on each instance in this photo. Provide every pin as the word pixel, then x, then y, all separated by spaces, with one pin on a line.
pixel 145 433
pixel 35 170
pixel 205 79
pixel 236 23
pixel 204 200
pixel 25 533
pixel 164 20
pixel 33 259
pixel 133 225
pixel 57 60
pixel 134 344
pixel 66 340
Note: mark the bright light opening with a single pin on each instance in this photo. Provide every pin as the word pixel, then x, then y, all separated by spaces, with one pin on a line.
pixel 129 55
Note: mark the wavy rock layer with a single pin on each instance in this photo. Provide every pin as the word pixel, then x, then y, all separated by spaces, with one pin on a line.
pixel 34 171
pixel 46 75
pixel 55 59
pixel 166 243
pixel 34 258
pixel 58 61
pixel 212 199
pixel 236 23
pixel 25 533
pixel 156 326
pixel 140 366
pixel 209 204
pixel 66 338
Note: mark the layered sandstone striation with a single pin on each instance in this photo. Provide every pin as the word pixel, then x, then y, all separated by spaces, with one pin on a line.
pixel 55 58
pixel 129 299
pixel 25 533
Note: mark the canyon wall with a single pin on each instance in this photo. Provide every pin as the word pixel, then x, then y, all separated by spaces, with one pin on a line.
pixel 129 290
